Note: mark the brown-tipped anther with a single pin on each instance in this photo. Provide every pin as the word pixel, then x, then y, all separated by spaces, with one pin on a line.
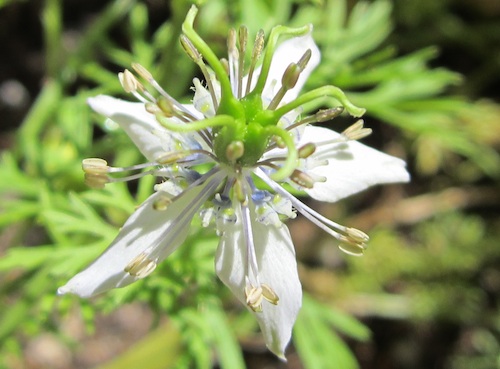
pixel 235 150
pixel 306 150
pixel 95 166
pixel 190 49
pixel 302 63
pixel 356 131
pixel 291 76
pixel 302 179
pixel 328 114
pixel 243 38
pixel 128 81
pixel 140 266
pixel 143 72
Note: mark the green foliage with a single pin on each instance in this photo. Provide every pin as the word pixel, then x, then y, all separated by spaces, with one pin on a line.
pixel 54 225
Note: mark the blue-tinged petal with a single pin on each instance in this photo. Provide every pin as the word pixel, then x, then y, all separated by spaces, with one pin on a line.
pixel 277 268
pixel 147 238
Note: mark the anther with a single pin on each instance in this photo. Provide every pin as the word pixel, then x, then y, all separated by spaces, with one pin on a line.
pixel 269 294
pixel 95 166
pixel 170 157
pixel 302 179
pixel 254 296
pixel 356 235
pixel 128 81
pixel 225 65
pixel 235 150
pixel 306 150
pixel 243 39
pixel 351 249
pixel 291 76
pixel 190 50
pixel 140 266
pixel 356 131
pixel 96 181
pixel 258 46
pixel 328 114
pixel 143 72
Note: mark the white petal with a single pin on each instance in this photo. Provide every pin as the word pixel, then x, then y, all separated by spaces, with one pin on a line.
pixel 133 118
pixel 290 51
pixel 352 166
pixel 154 232
pixel 277 268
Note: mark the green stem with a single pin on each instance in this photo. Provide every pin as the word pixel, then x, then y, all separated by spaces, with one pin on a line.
pixel 276 32
pixel 332 91
pixel 291 161
pixel 206 52
pixel 219 120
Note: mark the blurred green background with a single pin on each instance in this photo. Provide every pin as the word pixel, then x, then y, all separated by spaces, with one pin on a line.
pixel 425 295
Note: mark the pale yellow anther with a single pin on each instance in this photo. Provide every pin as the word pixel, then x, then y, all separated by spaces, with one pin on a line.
pixel 170 157
pixel 356 235
pixel 96 181
pixel 140 266
pixel 269 294
pixel 356 131
pixel 128 81
pixel 143 72
pixel 258 45
pixel 95 166
pixel 302 179
pixel 254 296
pixel 351 249
pixel 166 106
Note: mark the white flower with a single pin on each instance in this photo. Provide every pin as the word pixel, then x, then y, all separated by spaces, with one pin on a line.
pixel 245 127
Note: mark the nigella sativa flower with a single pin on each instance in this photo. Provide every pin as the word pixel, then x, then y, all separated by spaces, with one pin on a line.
pixel 247 134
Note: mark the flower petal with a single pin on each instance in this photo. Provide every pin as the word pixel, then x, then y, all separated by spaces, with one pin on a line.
pixel 150 232
pixel 277 268
pixel 352 166
pixel 290 51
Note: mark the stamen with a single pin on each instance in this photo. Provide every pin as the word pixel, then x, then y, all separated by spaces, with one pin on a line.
pixel 289 79
pixel 243 39
pixel 306 150
pixel 319 93
pixel 233 57
pixel 95 166
pixel 356 131
pixel 128 81
pixel 207 53
pixel 254 296
pixel 269 294
pixel 302 179
pixel 319 117
pixel 258 46
pixel 140 266
pixel 198 59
